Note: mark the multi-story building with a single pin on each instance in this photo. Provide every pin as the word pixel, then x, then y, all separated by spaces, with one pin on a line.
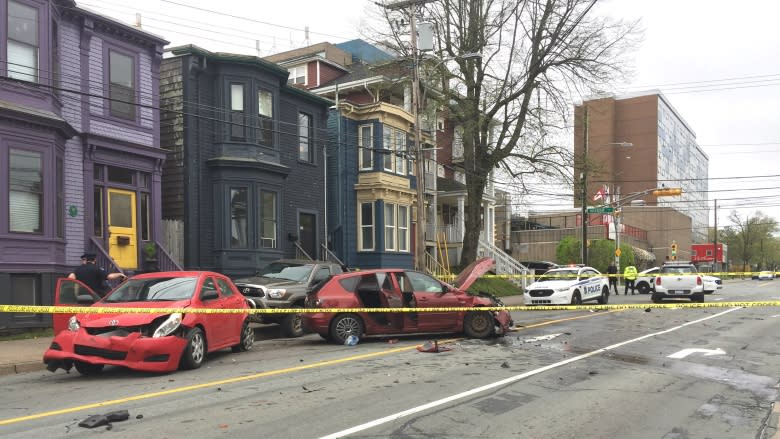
pixel 663 152
pixel 79 147
pixel 245 173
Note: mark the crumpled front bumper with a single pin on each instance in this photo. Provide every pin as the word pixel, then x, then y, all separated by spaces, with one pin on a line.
pixel 133 351
pixel 504 322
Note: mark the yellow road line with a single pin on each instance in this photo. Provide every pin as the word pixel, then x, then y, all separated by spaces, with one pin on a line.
pixel 252 377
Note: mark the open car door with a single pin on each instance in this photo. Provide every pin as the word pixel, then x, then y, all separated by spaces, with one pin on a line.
pixel 70 292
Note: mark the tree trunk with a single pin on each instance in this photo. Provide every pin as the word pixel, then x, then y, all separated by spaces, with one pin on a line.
pixel 475 184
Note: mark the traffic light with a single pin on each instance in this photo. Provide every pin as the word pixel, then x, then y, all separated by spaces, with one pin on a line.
pixel 674 251
pixel 667 192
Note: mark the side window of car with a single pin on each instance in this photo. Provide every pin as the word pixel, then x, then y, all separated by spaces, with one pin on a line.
pixel 422 282
pixel 321 275
pixel 224 287
pixel 387 282
pixel 208 287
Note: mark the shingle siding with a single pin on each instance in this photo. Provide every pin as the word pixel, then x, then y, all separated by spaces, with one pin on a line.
pixel 172 137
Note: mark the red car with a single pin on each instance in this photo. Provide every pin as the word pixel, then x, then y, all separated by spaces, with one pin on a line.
pixel 149 342
pixel 399 288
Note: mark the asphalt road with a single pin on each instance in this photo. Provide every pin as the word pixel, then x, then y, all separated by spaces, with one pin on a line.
pixel 671 373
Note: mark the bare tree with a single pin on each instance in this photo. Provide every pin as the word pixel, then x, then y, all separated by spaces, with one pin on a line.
pixel 536 56
pixel 751 239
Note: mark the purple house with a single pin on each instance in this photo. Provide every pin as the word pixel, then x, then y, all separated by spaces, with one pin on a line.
pixel 80 157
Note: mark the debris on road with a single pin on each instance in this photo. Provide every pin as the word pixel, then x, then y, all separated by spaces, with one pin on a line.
pixel 505 365
pixel 100 420
pixel 432 347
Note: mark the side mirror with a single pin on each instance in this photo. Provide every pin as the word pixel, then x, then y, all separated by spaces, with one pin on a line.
pixel 83 299
pixel 209 295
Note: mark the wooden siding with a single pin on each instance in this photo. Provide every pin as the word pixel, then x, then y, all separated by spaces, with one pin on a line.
pixel 172 138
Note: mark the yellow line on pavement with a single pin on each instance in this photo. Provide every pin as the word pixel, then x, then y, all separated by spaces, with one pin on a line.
pixel 144 396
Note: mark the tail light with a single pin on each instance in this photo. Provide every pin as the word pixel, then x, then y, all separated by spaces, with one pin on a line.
pixel 658 280
pixel 698 280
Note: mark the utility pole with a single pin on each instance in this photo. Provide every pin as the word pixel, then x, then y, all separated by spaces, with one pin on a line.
pixel 419 246
pixel 715 246
pixel 584 178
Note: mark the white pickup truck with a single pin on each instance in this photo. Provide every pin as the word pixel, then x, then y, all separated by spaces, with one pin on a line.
pixel 678 280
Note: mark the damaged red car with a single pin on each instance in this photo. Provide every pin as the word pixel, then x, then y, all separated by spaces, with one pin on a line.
pixel 153 342
pixel 400 288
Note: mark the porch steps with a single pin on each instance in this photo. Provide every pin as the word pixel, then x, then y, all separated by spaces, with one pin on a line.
pixel 505 264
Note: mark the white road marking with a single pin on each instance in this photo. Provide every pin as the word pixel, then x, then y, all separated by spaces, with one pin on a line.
pixel 509 380
pixel 542 338
pixel 719 298
pixel 707 352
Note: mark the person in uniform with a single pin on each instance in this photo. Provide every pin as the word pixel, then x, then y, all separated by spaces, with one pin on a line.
pixel 93 276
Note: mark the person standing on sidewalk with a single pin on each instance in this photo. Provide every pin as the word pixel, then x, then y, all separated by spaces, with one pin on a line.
pixel 629 275
pixel 93 276
pixel 612 275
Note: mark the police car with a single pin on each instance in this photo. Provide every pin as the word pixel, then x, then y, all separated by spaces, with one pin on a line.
pixel 568 286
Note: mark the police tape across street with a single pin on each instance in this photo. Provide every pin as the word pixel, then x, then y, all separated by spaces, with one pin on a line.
pixel 38 309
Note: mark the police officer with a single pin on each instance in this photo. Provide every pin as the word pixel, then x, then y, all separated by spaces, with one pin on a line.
pixel 93 276
pixel 613 277
pixel 629 274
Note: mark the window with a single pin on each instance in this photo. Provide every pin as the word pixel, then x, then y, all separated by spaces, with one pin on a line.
pixel 25 290
pixel 265 122
pixel 394 144
pixel 22 46
pixel 305 138
pixel 297 75
pixel 25 197
pixel 97 219
pixel 366 147
pixel 423 282
pixel 121 85
pixel 120 175
pixel 268 222
pixel 390 230
pixel 238 218
pixel 403 228
pixel 366 222
pixel 145 216
pixel 208 287
pixel 60 199
pixel 224 287
pixel 237 112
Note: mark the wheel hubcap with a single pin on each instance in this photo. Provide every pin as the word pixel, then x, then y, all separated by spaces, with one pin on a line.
pixel 249 337
pixel 480 323
pixel 347 327
pixel 197 348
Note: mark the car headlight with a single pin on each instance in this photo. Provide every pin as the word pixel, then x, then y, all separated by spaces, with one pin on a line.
pixel 169 325
pixel 73 324
pixel 276 293
pixel 562 290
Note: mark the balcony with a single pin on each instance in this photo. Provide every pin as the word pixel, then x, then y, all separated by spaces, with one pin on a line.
pixel 450 233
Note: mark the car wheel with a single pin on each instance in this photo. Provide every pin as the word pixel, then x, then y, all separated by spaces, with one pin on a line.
pixel 345 325
pixel 246 339
pixel 643 287
pixel 576 299
pixel 478 324
pixel 698 298
pixel 195 351
pixel 88 368
pixel 604 299
pixel 656 298
pixel 292 325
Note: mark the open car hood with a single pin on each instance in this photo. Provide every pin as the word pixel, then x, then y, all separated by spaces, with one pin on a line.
pixel 470 274
pixel 122 319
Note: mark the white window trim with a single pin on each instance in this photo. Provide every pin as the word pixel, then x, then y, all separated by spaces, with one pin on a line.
pixel 294 74
pixel 397 156
pixel 362 147
pixel 403 245
pixel 392 228
pixel 398 245
pixel 360 226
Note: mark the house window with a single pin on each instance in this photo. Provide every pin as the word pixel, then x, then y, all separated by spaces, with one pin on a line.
pixel 120 175
pixel 238 218
pixel 305 138
pixel 403 228
pixel 146 219
pixel 268 222
pixel 25 289
pixel 366 142
pixel 366 222
pixel 25 197
pixel 237 112
pixel 297 75
pixel 60 199
pixel 121 90
pixel 400 152
pixel 390 229
pixel 22 46
pixel 394 144
pixel 265 113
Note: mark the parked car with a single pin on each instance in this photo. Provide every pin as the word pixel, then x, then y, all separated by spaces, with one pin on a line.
pixel 711 283
pixel 153 342
pixel 283 284
pixel 678 280
pixel 766 275
pixel 400 288
pixel 539 267
pixel 568 286
pixel 645 281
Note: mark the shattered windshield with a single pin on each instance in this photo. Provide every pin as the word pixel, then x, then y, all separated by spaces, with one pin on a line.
pixel 553 275
pixel 158 289
pixel 285 270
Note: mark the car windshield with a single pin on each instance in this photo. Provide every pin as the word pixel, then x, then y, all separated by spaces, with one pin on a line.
pixel 559 275
pixel 156 289
pixel 286 270
pixel 683 269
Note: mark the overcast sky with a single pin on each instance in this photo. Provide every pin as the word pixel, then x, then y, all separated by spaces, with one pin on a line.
pixel 717 62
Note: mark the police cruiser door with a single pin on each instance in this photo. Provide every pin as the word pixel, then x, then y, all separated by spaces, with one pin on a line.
pixel 592 285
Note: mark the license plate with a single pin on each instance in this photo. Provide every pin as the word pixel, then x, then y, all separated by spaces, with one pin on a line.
pixel 673 292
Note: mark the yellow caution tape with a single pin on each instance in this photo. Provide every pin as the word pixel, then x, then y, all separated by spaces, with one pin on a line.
pixel 553 276
pixel 34 309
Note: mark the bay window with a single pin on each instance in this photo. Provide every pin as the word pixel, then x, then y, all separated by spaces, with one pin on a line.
pixel 25 196
pixel 396 227
pixel 395 154
pixel 366 225
pixel 237 120
pixel 268 219
pixel 22 44
pixel 238 217
pixel 366 147
pixel 390 228
pixel 265 115
pixel 305 138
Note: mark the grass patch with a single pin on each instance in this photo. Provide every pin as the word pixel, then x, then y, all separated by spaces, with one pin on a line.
pixel 26 334
pixel 495 286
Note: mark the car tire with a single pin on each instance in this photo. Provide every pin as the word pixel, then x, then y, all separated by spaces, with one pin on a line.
pixel 246 338
pixel 576 299
pixel 345 325
pixel 643 287
pixel 604 298
pixel 195 351
pixel 478 324
pixel 292 325
pixel 697 298
pixel 656 298
pixel 88 369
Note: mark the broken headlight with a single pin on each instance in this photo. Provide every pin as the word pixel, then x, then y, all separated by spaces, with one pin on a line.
pixel 73 324
pixel 169 325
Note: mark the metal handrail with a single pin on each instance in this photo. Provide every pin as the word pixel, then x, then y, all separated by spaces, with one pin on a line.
pixel 300 253
pixel 329 255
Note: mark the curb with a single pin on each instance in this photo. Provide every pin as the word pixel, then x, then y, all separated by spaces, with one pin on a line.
pixel 23 367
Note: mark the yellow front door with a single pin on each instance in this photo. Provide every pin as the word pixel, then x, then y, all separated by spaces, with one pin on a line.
pixel 122 229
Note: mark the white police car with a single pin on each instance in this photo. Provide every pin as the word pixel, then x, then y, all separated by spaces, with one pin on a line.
pixel 568 286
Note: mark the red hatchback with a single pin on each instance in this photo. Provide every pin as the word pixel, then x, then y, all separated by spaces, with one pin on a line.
pixel 399 288
pixel 158 342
